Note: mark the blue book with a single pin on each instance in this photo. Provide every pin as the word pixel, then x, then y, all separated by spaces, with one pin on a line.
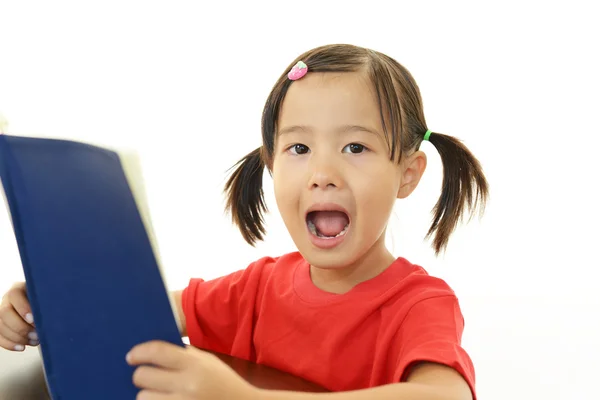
pixel 90 262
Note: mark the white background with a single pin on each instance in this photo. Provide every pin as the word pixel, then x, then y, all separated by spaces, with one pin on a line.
pixel 184 83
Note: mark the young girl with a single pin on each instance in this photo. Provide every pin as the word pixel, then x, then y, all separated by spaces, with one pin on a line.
pixel 341 134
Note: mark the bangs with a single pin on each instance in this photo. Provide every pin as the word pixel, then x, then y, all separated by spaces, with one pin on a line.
pixel 390 108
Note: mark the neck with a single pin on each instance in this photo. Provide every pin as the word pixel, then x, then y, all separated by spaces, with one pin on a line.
pixel 341 280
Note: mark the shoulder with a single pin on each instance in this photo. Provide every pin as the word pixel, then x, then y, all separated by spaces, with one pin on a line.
pixel 415 282
pixel 243 281
pixel 430 326
pixel 274 270
pixel 415 291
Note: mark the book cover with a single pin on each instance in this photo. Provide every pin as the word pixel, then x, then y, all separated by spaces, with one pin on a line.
pixel 90 261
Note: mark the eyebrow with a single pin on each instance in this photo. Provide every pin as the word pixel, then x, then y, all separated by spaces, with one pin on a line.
pixel 341 129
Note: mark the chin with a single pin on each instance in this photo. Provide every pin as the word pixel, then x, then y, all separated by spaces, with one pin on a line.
pixel 327 259
pixel 344 255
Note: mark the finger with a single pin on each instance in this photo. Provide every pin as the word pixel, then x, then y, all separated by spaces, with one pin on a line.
pixel 10 318
pixel 153 378
pixel 17 296
pixel 157 353
pixel 11 335
pixel 10 345
pixel 152 395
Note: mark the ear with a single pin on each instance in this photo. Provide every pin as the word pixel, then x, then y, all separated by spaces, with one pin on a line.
pixel 413 168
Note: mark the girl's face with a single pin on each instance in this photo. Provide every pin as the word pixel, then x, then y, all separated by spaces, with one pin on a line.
pixel 335 185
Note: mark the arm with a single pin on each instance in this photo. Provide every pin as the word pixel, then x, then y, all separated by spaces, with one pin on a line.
pixel 217 315
pixel 427 381
pixel 163 369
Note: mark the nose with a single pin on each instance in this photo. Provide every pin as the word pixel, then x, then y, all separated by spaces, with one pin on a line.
pixel 324 174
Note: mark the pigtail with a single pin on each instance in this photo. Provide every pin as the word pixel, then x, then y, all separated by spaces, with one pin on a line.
pixel 245 196
pixel 464 187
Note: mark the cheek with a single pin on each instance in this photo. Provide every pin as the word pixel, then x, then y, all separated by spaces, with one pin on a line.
pixel 286 186
pixel 281 194
pixel 376 195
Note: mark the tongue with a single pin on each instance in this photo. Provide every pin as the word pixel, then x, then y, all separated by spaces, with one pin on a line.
pixel 329 223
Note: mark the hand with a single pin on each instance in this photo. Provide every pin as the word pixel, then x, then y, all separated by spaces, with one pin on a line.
pixel 177 373
pixel 16 321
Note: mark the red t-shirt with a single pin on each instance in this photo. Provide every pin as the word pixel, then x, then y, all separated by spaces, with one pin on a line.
pixel 271 313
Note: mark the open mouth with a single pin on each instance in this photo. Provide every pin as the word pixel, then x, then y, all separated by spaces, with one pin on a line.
pixel 327 224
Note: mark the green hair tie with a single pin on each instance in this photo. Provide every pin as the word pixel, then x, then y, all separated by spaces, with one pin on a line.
pixel 427 134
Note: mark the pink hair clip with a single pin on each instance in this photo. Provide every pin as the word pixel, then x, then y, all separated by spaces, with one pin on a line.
pixel 298 71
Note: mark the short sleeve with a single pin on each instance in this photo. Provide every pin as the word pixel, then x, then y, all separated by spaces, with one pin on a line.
pixel 219 313
pixel 432 332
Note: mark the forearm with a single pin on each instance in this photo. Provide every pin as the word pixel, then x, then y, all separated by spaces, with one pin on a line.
pixel 398 391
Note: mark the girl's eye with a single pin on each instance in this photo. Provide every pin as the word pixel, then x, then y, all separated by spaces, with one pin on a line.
pixel 354 148
pixel 299 149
